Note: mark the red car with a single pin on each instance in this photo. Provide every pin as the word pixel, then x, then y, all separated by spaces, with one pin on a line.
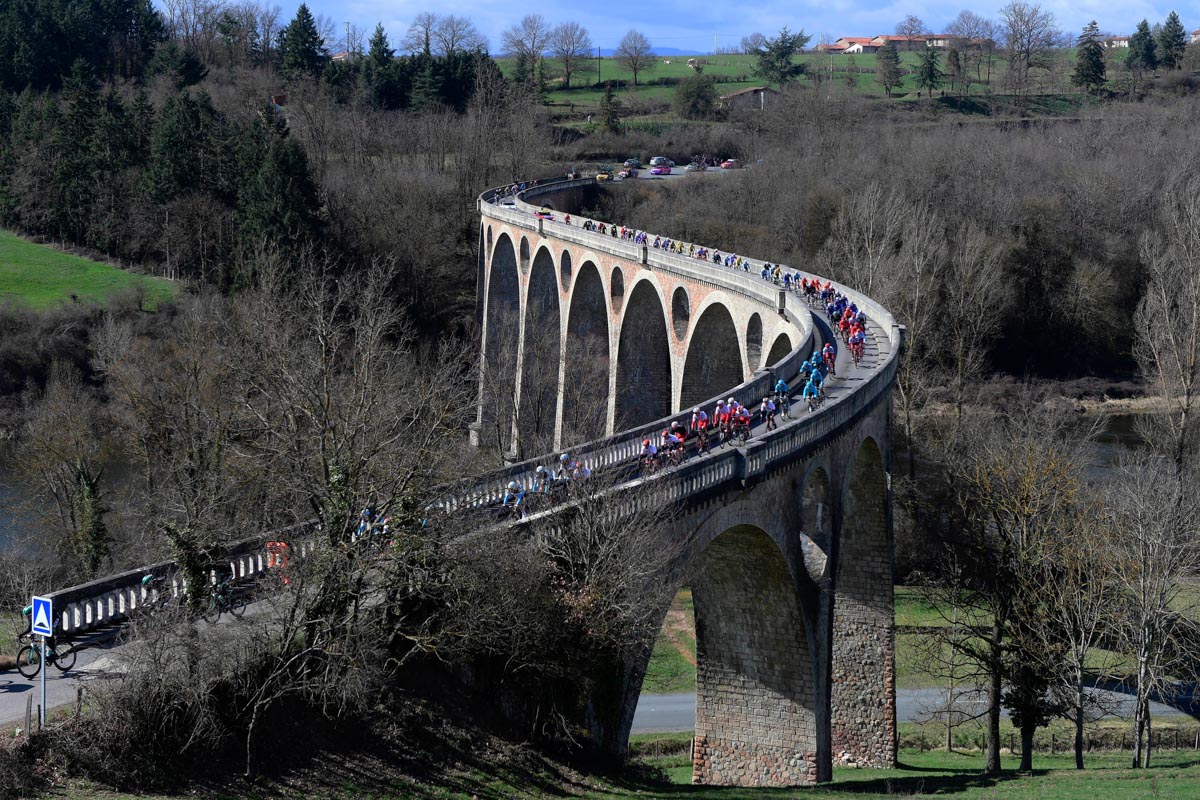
pixel 660 169
pixel 731 163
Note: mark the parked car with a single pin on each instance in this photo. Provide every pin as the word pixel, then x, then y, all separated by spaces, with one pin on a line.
pixel 695 166
pixel 545 212
pixel 731 163
pixel 628 172
pixel 605 173
pixel 659 161
pixel 633 162
pixel 660 169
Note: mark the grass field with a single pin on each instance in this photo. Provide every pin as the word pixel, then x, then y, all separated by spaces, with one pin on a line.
pixel 733 72
pixel 39 276
pixel 925 774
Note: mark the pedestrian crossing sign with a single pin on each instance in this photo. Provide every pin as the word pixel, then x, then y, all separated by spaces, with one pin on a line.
pixel 43 614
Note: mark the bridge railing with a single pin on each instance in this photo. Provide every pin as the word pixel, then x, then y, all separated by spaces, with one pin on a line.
pixel 113 599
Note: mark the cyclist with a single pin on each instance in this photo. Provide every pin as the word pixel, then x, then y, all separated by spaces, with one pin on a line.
pixel 858 341
pixel 781 395
pixel 699 420
pixel 671 443
pixel 817 379
pixel 649 454
pixel 580 471
pixel 767 410
pixel 812 393
pixel 542 480
pixel 563 472
pixel 678 429
pixel 829 356
pixel 514 499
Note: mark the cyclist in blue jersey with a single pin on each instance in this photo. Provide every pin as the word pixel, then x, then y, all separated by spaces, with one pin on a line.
pixel 514 499
pixel 812 393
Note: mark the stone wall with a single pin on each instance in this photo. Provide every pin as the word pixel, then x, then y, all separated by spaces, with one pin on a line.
pixel 755 692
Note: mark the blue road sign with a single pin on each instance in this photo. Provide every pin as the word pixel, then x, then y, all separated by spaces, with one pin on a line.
pixel 43 617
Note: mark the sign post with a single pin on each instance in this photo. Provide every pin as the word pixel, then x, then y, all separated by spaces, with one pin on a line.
pixel 43 626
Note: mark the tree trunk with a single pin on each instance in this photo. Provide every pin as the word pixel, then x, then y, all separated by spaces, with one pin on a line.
pixel 1079 700
pixel 1149 734
pixel 1027 732
pixel 993 723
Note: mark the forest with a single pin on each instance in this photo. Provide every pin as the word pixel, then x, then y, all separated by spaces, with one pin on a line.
pixel 319 219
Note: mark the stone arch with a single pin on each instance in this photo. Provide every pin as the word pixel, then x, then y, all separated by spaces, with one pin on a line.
pixel 754 337
pixel 681 312
pixel 524 254
pixel 643 359
pixel 781 347
pixel 863 658
pixel 616 289
pixel 714 359
pixel 542 354
pixel 565 271
pixel 756 692
pixel 585 383
pixel 501 337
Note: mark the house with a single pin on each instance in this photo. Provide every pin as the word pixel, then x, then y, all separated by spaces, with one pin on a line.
pixel 1117 41
pixel 857 44
pixel 833 47
pixel 755 98
pixel 1196 36
pixel 901 42
pixel 344 56
pixel 943 41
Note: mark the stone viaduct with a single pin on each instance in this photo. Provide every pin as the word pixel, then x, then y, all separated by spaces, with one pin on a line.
pixel 593 342
pixel 786 543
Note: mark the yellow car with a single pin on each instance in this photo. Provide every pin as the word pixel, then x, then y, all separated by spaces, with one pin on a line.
pixel 605 173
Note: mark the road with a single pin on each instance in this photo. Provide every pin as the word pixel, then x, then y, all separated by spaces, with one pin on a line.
pixel 61 689
pixel 660 713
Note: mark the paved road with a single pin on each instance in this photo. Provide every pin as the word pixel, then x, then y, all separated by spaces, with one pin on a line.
pixel 61 690
pixel 659 713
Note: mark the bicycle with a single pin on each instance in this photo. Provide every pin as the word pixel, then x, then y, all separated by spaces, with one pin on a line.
pixel 29 657
pixel 222 599
pixel 856 352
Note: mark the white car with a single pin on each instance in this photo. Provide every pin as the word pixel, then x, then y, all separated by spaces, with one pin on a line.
pixel 660 161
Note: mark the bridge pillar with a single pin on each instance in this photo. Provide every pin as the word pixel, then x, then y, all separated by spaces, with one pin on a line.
pixel 863 675
pixel 756 698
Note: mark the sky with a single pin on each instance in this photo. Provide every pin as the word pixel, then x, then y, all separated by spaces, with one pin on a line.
pixel 690 26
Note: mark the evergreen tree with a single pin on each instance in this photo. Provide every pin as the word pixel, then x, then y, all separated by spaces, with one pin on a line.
pixel 1172 42
pixel 189 151
pixel 887 68
pixel 426 94
pixel 1090 70
pixel 301 49
pixel 521 71
pixel 610 110
pixel 91 540
pixel 180 66
pixel 955 74
pixel 277 198
pixel 696 96
pixel 929 73
pixel 775 63
pixel 1143 55
pixel 539 79
pixel 379 51
pixel 76 166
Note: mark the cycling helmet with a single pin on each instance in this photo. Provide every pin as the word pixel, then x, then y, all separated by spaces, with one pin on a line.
pixel 541 470
pixel 564 458
pixel 27 610
pixel 696 410
pixel 729 401
pixel 645 442
pixel 513 485
pixel 146 580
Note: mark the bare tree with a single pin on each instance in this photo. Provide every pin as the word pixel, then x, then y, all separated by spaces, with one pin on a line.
pixel 969 29
pixel 1031 38
pixel 419 38
pixel 570 44
pixel 1155 525
pixel 864 236
pixel 634 54
pixel 911 27
pixel 529 37
pixel 62 455
pixel 753 43
pixel 976 299
pixel 1167 322
pixel 454 34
